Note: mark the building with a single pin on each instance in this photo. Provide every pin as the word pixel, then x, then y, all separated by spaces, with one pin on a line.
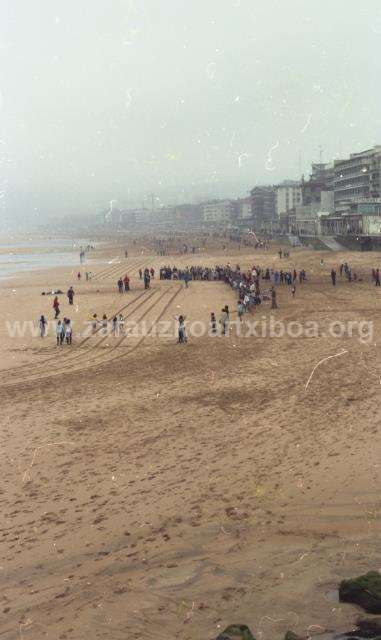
pixel 360 217
pixel 128 219
pixel 243 212
pixel 189 215
pixel 327 201
pixel 263 207
pixel 219 212
pixel 143 217
pixel 317 200
pixel 359 176
pixel 323 173
pixel 306 219
pixel 288 195
pixel 244 208
pixel 321 180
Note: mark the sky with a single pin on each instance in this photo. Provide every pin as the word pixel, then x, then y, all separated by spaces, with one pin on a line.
pixel 185 99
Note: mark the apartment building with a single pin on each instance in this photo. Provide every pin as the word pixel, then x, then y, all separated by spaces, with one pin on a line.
pixel 219 212
pixel 359 176
pixel 243 206
pixel 288 194
pixel 263 207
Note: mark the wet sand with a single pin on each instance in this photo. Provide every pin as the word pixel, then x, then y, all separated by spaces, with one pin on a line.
pixel 154 490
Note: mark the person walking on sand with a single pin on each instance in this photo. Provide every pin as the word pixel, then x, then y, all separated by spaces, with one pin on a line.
pixel 273 299
pixel 79 276
pixel 56 307
pixel 68 331
pixel 94 323
pixel 182 333
pixel 104 324
pixel 63 330
pixel 224 321
pixel 120 285
pixel 59 333
pixel 377 283
pixel 240 310
pixel 126 281
pixel 121 323
pixel 115 326
pixel 140 274
pixel 42 324
pixel 333 276
pixel 293 290
pixel 70 295
pixel 213 323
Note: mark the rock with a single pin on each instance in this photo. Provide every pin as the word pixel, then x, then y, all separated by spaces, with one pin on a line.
pixel 369 627
pixel 290 635
pixel 364 591
pixel 236 632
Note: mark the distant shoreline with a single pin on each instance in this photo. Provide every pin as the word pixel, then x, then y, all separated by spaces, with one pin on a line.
pixel 19 256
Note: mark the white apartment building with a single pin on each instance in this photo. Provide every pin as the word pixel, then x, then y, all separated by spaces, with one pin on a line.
pixel 288 194
pixel 219 211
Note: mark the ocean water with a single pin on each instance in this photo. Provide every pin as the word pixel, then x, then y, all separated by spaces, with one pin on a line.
pixel 21 256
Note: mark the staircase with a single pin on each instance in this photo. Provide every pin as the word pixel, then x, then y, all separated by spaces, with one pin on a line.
pixel 331 243
pixel 294 240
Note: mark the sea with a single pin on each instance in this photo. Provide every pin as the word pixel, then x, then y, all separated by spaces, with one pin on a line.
pixel 22 255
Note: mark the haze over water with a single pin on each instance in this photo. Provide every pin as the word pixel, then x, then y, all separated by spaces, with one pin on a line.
pixel 17 256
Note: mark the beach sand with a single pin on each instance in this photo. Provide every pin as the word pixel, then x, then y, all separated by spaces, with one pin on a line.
pixel 156 490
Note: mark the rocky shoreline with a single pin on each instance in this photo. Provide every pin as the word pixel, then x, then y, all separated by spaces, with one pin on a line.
pixel 364 591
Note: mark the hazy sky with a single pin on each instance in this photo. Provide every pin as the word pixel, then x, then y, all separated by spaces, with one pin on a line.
pixel 117 99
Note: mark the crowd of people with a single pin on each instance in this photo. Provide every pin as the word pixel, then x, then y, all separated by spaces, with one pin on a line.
pixel 147 275
pixel 259 285
pixel 346 271
pixel 192 273
pixel 252 288
pixel 64 330
pixel 115 326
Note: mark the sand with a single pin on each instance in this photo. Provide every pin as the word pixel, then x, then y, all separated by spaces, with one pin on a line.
pixel 154 490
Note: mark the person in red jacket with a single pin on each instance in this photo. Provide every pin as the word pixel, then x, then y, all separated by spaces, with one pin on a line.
pixel 126 281
pixel 56 307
